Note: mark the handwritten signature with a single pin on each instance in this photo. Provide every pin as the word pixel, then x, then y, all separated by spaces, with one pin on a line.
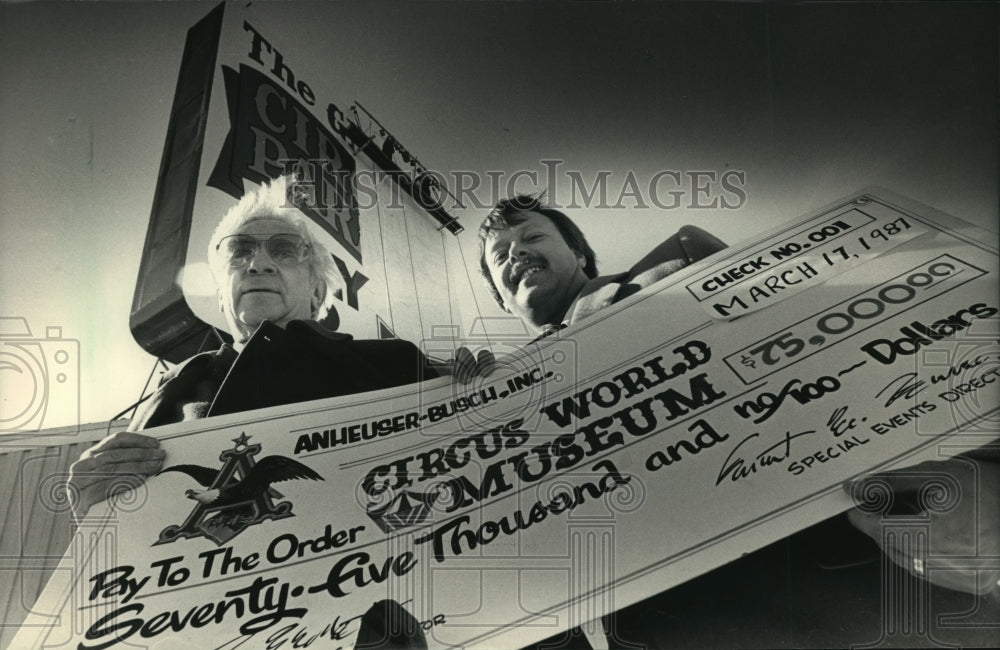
pixel 839 423
pixel 298 635
pixel 963 366
pixel 739 468
pixel 906 386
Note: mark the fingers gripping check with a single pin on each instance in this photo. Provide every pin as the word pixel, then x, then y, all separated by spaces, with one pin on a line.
pixel 117 463
pixel 468 367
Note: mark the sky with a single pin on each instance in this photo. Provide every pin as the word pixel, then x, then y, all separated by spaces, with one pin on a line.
pixel 799 104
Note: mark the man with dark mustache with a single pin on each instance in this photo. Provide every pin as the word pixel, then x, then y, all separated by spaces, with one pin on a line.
pixel 539 266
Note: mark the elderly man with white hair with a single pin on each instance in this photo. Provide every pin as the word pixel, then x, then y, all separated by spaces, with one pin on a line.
pixel 273 280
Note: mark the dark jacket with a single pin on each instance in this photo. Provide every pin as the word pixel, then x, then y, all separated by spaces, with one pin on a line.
pixel 280 366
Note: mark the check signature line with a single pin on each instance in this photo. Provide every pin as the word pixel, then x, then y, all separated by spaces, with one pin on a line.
pixel 738 468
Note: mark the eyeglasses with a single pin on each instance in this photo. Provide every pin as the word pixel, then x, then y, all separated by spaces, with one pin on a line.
pixel 238 250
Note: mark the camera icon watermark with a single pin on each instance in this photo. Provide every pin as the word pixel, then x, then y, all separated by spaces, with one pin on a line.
pixel 39 377
pixel 526 373
pixel 961 374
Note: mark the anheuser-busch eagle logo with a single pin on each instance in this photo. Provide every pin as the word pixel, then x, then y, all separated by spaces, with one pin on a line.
pixel 236 496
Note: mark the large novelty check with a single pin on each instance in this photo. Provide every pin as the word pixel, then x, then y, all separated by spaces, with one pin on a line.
pixel 702 418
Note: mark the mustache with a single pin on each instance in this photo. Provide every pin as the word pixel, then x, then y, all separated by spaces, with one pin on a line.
pixel 517 269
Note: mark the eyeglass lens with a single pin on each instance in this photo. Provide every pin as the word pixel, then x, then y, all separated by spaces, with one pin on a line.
pixel 238 250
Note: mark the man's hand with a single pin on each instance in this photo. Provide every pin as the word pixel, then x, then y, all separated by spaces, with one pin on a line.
pixel 468 367
pixel 963 517
pixel 118 462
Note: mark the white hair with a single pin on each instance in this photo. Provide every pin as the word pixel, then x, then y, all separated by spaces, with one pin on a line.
pixel 272 200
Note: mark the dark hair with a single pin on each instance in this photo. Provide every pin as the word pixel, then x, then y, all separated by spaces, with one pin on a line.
pixel 508 212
